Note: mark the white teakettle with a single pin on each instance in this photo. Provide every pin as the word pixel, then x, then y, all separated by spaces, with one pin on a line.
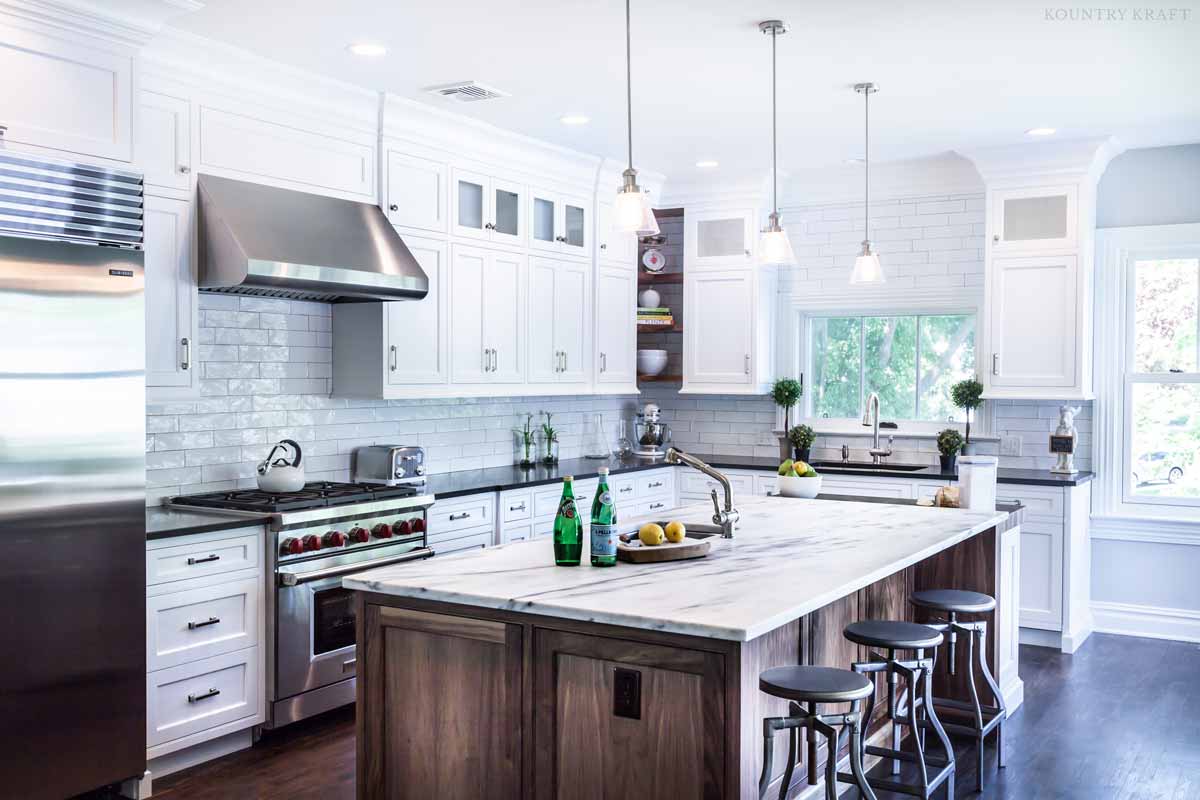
pixel 279 473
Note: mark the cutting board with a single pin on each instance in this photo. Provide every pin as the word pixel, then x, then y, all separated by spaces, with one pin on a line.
pixel 638 553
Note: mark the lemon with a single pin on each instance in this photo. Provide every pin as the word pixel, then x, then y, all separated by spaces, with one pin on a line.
pixel 799 469
pixel 675 531
pixel 652 534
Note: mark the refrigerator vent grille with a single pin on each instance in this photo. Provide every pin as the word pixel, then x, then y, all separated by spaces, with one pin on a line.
pixel 45 198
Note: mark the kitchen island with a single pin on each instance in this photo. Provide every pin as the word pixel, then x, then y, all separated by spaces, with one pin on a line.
pixel 494 673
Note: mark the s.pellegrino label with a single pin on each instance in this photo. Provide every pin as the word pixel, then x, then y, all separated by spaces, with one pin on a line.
pixel 604 525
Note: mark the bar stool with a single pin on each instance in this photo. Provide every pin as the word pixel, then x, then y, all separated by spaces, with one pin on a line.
pixel 813 686
pixel 985 719
pixel 916 712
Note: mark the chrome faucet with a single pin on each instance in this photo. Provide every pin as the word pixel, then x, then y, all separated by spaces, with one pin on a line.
pixel 871 420
pixel 726 519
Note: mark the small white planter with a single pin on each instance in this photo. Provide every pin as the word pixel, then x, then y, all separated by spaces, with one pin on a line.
pixel 791 486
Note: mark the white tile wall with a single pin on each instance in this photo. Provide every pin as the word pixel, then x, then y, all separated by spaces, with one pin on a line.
pixel 266 376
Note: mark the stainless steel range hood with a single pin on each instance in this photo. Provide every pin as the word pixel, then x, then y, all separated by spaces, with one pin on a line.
pixel 269 242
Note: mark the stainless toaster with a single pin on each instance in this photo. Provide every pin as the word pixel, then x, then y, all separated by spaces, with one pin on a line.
pixel 390 464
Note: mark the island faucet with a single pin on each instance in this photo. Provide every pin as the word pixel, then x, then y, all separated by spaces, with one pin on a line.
pixel 871 420
pixel 726 518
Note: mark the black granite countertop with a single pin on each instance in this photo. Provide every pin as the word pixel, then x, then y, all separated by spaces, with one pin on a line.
pixel 499 479
pixel 163 523
pixel 1026 477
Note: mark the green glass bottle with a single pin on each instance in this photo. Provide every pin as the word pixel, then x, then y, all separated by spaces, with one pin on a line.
pixel 604 525
pixel 568 528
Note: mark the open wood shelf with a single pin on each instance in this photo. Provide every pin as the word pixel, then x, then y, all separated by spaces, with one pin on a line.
pixel 659 378
pixel 676 328
pixel 651 278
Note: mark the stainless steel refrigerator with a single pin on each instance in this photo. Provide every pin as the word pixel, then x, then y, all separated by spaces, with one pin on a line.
pixel 72 478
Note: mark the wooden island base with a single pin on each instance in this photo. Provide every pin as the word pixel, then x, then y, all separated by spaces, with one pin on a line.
pixel 460 702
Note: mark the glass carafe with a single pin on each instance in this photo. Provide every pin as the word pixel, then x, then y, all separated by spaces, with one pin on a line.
pixel 595 442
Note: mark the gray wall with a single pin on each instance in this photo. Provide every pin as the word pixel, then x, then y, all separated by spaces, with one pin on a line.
pixel 1152 186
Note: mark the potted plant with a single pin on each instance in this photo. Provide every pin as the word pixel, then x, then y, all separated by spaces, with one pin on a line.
pixel 549 441
pixel 949 442
pixel 527 442
pixel 967 395
pixel 786 393
pixel 801 438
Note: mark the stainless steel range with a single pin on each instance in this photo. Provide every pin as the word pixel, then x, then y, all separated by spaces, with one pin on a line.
pixel 320 534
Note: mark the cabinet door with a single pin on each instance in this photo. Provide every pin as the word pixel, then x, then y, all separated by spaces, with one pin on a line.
pixel 171 295
pixel 468 359
pixel 1032 322
pixel 720 313
pixel 616 332
pixel 615 246
pixel 1033 220
pixel 417 330
pixel 416 192
pixel 506 200
pixel 472 204
pixel 1041 575
pixel 504 317
pixel 544 361
pixel 575 237
pixel 571 312
pixel 544 220
pixel 164 151
pixel 717 239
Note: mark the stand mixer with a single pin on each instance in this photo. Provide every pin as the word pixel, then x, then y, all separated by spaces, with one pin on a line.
pixel 653 436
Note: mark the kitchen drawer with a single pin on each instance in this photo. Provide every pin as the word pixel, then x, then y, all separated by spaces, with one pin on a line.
pixel 517 533
pixel 1039 501
pixel 200 623
pixel 236 550
pixel 765 484
pixel 696 484
pixel 927 489
pixel 199 695
pixel 461 513
pixel 624 488
pixel 649 508
pixel 545 500
pixel 466 540
pixel 655 483
pixel 872 487
pixel 516 505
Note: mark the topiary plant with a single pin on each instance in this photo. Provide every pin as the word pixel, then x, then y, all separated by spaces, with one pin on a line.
pixel 802 437
pixel 967 395
pixel 786 393
pixel 949 442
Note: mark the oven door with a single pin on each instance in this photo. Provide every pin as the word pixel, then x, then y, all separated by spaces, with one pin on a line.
pixel 315 634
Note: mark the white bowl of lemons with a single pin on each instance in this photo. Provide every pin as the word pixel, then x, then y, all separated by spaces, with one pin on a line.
pixel 798 479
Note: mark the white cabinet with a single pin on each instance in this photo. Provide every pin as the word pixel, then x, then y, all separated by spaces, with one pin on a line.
pixel 1031 220
pixel 560 223
pixel 559 311
pixel 1034 329
pixel 867 487
pixel 488 208
pixel 172 317
pixel 616 332
pixel 717 239
pixel 164 142
pixel 728 344
pixel 65 96
pixel 417 332
pixel 613 246
pixel 487 319
pixel 416 193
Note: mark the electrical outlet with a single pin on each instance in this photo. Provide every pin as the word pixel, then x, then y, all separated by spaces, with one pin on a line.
pixel 627 693
pixel 1010 445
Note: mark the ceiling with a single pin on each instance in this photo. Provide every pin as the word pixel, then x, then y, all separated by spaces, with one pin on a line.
pixel 952 75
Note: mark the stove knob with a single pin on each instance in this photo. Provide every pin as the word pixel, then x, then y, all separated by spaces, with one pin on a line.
pixel 420 470
pixel 399 472
pixel 382 531
pixel 360 535
pixel 418 525
pixel 402 528
pixel 334 539
pixel 312 542
pixel 291 547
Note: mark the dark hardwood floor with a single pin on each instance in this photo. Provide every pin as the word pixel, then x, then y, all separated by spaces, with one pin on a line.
pixel 1119 720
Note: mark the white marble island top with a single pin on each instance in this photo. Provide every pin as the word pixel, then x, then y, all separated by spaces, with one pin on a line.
pixel 789 558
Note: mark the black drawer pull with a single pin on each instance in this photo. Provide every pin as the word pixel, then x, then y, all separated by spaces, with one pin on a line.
pixel 655 485
pixel 626 489
pixel 656 506
pixel 193 561
pixel 517 508
pixel 196 698
pixel 210 621
pixel 456 517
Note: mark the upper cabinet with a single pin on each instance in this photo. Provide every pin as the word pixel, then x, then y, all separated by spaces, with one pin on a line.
pixel 172 319
pixel 614 247
pixel 728 340
pixel 560 223
pixel 416 193
pixel 65 96
pixel 719 239
pixel 487 319
pixel 164 142
pixel 614 354
pixel 1033 324
pixel 488 208
pixel 559 311
pixel 1034 219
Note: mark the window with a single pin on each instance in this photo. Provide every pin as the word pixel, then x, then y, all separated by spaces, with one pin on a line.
pixel 909 361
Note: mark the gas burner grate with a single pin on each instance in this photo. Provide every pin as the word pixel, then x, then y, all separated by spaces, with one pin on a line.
pixel 317 494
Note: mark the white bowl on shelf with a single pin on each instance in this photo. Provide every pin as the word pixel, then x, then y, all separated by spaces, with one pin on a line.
pixel 791 486
pixel 651 362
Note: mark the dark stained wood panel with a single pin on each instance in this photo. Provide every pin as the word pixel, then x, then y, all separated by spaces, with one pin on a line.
pixel 781 647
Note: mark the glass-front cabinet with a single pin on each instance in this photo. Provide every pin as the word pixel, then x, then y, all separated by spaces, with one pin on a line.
pixel 561 223
pixel 488 208
pixel 1033 219
pixel 719 239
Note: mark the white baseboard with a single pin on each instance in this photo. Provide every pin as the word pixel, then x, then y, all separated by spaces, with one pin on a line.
pixel 198 754
pixel 1074 640
pixel 1014 695
pixel 1181 624
pixel 1040 638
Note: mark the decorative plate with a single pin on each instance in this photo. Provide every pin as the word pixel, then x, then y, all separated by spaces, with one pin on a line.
pixel 653 260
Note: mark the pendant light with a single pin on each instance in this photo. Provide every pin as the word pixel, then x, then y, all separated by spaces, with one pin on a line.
pixel 632 208
pixel 774 247
pixel 866 266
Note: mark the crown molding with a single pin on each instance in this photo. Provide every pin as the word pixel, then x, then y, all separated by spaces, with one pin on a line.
pixel 122 23
pixel 1076 159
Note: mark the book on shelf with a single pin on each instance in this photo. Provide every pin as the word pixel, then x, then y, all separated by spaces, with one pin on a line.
pixel 656 310
pixel 663 322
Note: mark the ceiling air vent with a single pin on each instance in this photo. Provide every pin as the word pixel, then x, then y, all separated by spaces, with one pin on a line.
pixel 466 91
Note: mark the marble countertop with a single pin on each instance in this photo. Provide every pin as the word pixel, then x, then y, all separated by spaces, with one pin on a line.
pixel 790 557
pixel 163 523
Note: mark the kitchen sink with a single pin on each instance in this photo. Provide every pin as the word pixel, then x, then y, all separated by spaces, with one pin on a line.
pixel 834 465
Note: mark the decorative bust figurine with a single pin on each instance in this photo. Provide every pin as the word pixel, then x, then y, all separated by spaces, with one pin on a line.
pixel 1062 441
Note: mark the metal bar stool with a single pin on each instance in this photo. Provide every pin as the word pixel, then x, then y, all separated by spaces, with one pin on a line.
pixel 812 686
pixel 915 710
pixel 985 719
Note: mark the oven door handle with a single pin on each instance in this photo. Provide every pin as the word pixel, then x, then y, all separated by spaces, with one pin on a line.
pixel 297 578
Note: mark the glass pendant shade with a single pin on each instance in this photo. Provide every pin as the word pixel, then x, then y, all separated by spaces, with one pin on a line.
pixel 867 268
pixel 634 214
pixel 774 248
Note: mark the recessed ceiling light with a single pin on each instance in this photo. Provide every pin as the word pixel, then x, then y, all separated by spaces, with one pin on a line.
pixel 369 49
pixel 574 119
pixel 707 163
pixel 1040 132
